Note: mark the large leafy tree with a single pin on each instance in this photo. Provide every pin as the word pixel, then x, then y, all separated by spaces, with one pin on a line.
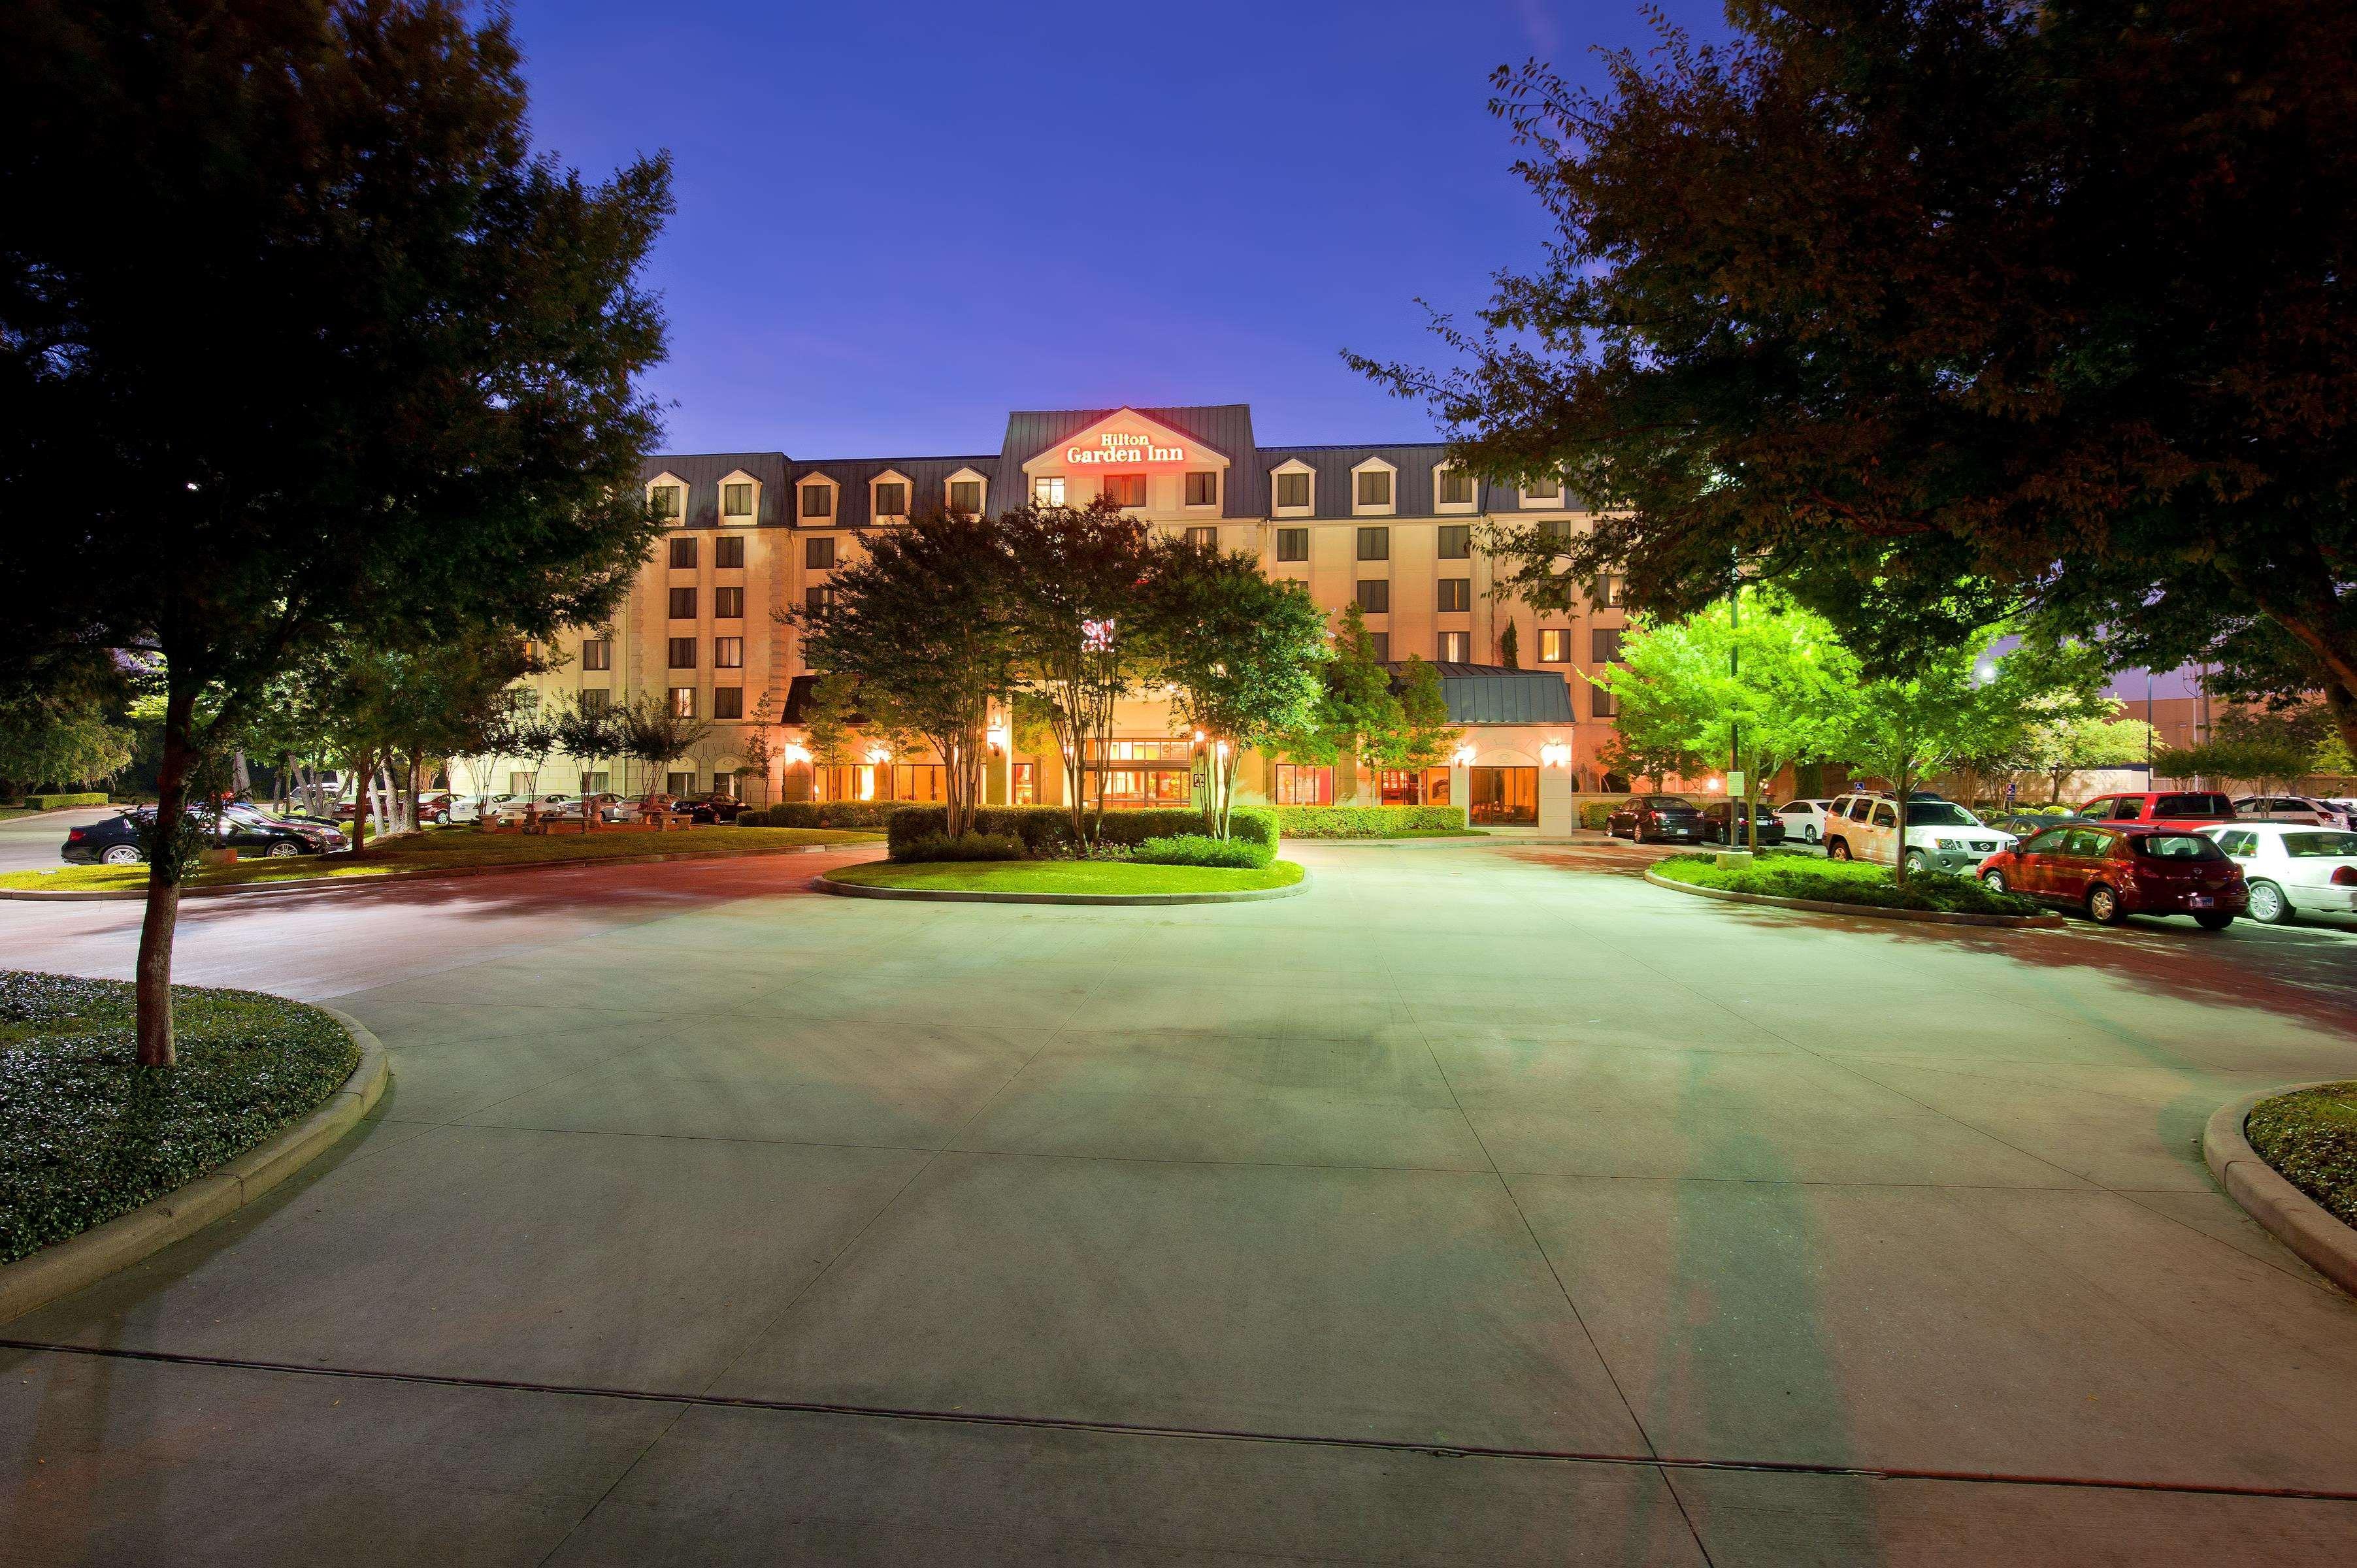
pixel 924 621
pixel 1240 652
pixel 64 723
pixel 373 370
pixel 1948 309
pixel 1368 715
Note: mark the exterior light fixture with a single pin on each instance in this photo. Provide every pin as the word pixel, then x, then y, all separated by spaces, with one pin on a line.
pixel 1554 754
pixel 1716 784
pixel 1462 756
pixel 997 736
pixel 879 755
pixel 796 752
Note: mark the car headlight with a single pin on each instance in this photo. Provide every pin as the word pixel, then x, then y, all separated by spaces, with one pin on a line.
pixel 1944 844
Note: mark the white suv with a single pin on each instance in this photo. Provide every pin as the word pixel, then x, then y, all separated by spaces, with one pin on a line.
pixel 1940 835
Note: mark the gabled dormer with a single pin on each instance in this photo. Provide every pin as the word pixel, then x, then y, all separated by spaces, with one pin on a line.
pixel 667 499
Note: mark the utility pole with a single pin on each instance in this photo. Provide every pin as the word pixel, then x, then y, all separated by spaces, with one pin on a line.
pixel 1734 725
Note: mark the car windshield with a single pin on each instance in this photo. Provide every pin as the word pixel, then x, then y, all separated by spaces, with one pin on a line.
pixel 2312 846
pixel 2193 806
pixel 1938 814
pixel 2179 847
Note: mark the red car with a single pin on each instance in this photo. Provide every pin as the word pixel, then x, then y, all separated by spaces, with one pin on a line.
pixel 2114 870
pixel 2161 808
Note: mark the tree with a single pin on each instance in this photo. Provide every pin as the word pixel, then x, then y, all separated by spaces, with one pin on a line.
pixel 1240 652
pixel 1951 310
pixel 380 377
pixel 1074 581
pixel 758 744
pixel 827 723
pixel 64 725
pixel 1417 732
pixel 1509 647
pixel 1365 715
pixel 652 734
pixel 589 735
pixel 922 621
pixel 2274 765
pixel 2070 742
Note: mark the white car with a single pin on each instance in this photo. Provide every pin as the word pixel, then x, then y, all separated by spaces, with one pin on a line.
pixel 2292 866
pixel 1805 821
pixel 513 807
pixel 472 808
pixel 2290 809
pixel 1940 835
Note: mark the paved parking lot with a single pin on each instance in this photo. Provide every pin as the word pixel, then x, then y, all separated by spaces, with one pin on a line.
pixel 1485 1205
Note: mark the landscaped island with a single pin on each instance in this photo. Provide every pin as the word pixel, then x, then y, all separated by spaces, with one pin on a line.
pixel 1092 878
pixel 2309 1136
pixel 86 1134
pixel 448 849
pixel 1843 882
pixel 1041 852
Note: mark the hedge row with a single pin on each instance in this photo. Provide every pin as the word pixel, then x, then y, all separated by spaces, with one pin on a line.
pixel 51 802
pixel 871 815
pixel 1366 821
pixel 1595 814
pixel 1047 830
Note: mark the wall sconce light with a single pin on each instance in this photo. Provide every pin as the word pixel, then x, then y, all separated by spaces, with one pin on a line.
pixel 1554 754
pixel 996 735
pixel 1461 757
pixel 877 754
pixel 795 752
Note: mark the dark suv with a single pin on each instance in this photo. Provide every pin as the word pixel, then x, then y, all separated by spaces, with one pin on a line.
pixel 1650 818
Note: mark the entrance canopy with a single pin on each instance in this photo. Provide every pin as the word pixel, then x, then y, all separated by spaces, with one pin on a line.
pixel 1494 695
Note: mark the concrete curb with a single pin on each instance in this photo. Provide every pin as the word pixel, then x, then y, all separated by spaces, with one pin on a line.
pixel 2293 1217
pixel 959 895
pixel 365 883
pixel 1826 907
pixel 64 1267
pixel 1442 841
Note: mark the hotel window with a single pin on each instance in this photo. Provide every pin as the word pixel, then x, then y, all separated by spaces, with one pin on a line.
pixel 682 604
pixel 596 699
pixel 1374 595
pixel 1206 540
pixel 1601 703
pixel 1293 544
pixel 682 555
pixel 1374 487
pixel 728 653
pixel 679 783
pixel 727 701
pixel 818 500
pixel 1543 490
pixel 1456 488
pixel 1456 542
pixel 729 604
pixel 1555 645
pixel 1556 531
pixel 1383 649
pixel 892 499
pixel 1203 489
pixel 1456 647
pixel 683 701
pixel 1293 489
pixel 682 654
pixel 664 499
pixel 818 598
pixel 1300 786
pixel 728 550
pixel 1608 590
pixel 1604 645
pixel 1047 490
pixel 965 497
pixel 1027 784
pixel 593 783
pixel 1455 593
pixel 735 500
pixel 1374 544
pixel 596 653
pixel 1125 490
pixel 818 554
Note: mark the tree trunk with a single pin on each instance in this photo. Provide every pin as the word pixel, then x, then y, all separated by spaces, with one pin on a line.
pixel 363 765
pixel 152 986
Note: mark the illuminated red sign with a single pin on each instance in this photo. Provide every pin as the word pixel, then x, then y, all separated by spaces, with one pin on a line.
pixel 1119 448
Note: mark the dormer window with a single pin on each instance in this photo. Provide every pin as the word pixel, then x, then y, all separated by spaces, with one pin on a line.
pixel 1373 487
pixel 1543 492
pixel 737 500
pixel 965 497
pixel 1453 489
pixel 892 499
pixel 1293 488
pixel 666 500
pixel 818 498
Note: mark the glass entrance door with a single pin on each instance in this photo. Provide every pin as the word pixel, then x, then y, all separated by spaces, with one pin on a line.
pixel 1505 795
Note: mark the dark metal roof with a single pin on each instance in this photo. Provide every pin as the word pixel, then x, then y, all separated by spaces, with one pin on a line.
pixel 1225 427
pixel 926 477
pixel 1494 694
pixel 705 470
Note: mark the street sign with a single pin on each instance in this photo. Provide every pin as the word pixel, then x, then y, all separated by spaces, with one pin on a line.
pixel 1734 783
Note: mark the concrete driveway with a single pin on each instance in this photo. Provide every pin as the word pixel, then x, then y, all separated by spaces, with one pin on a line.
pixel 30 844
pixel 1485 1204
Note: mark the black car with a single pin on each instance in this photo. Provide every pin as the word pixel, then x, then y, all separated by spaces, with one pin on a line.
pixel 705 810
pixel 1650 818
pixel 115 842
pixel 1717 817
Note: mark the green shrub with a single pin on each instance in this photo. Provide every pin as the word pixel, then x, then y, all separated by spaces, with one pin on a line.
pixel 1594 815
pixel 1201 849
pixel 86 1134
pixel 966 846
pixel 1047 830
pixel 2310 1136
pixel 1366 821
pixel 872 815
pixel 51 802
pixel 1845 882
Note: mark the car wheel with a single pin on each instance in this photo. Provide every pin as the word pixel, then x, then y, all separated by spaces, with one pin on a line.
pixel 1918 863
pixel 1993 880
pixel 1808 835
pixel 120 855
pixel 2102 905
pixel 282 849
pixel 2214 920
pixel 2269 905
pixel 1837 850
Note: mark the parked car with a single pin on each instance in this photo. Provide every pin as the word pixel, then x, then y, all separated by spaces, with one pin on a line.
pixel 1722 823
pixel 471 808
pixel 1940 834
pixel 248 830
pixel 1803 819
pixel 714 807
pixel 2161 808
pixel 434 805
pixel 2114 869
pixel 2027 824
pixel 2291 808
pixel 515 807
pixel 2290 866
pixel 326 835
pixel 1648 818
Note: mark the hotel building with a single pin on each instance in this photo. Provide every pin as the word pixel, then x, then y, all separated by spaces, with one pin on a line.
pixel 1395 529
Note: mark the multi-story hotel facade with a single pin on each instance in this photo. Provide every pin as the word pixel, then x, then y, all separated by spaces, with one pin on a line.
pixel 1395 529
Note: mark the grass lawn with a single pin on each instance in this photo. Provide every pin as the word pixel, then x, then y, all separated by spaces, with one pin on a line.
pixel 86 1134
pixel 447 849
pixel 1068 876
pixel 1845 882
pixel 2310 1136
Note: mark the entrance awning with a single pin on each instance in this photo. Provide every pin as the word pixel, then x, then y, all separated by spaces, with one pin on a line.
pixel 1494 695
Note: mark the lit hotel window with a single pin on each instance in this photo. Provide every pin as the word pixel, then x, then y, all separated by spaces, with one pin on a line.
pixel 1600 703
pixel 965 497
pixel 1206 540
pixel 1293 544
pixel 1293 489
pixel 1555 645
pixel 818 500
pixel 1455 593
pixel 892 499
pixel 596 653
pixel 1125 490
pixel 737 500
pixel 1608 590
pixel 1047 490
pixel 665 501
pixel 1456 647
pixel 818 598
pixel 728 653
pixel 682 701
pixel 818 554
pixel 1202 490
pixel 1456 542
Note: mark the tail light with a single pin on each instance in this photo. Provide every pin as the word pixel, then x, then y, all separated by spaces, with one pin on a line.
pixel 2344 876
pixel 81 835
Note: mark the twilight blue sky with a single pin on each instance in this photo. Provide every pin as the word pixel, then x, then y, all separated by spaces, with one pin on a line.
pixel 898 221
